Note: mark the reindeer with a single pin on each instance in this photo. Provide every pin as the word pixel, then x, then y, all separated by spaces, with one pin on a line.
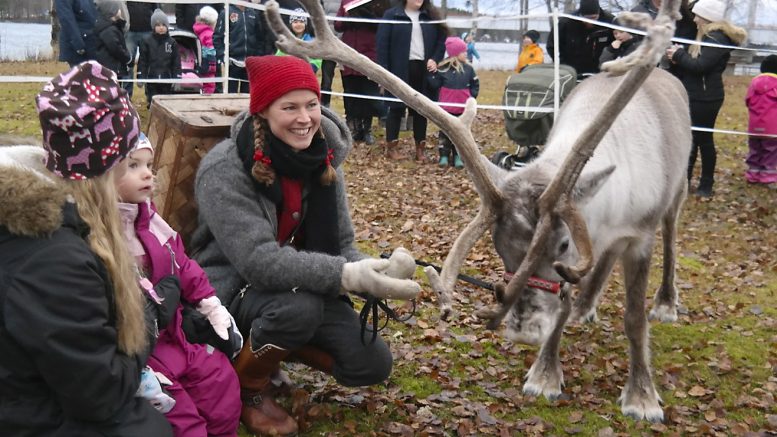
pixel 553 223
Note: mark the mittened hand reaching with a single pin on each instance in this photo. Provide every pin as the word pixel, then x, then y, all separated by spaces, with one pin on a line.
pixel 217 315
pixel 369 275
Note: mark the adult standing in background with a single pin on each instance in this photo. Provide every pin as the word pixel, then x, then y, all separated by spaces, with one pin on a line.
pixel 139 28
pixel 249 35
pixel 186 14
pixel 701 71
pixel 360 37
pixel 410 51
pixel 581 43
pixel 76 38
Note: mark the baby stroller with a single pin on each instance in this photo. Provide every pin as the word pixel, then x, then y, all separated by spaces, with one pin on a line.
pixel 532 87
pixel 190 52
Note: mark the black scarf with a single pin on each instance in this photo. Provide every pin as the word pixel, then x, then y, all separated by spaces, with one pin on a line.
pixel 320 213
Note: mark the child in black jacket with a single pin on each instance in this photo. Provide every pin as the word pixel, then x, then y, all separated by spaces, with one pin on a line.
pixel 110 50
pixel 159 58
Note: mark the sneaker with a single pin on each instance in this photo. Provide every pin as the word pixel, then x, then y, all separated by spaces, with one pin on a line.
pixel 457 162
pixel 443 161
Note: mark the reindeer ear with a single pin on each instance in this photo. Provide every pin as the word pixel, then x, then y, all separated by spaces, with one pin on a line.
pixel 589 184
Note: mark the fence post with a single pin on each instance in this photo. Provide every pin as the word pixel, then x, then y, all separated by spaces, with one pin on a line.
pixel 225 77
pixel 556 63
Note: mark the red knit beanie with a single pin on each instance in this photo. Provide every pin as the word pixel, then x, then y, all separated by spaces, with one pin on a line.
pixel 270 77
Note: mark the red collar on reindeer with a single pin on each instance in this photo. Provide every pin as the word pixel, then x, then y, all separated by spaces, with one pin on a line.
pixel 538 283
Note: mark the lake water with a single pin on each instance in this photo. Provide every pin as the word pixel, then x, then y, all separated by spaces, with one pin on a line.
pixel 19 41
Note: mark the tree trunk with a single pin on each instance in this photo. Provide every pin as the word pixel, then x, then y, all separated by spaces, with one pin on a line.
pixel 444 8
pixel 475 15
pixel 54 31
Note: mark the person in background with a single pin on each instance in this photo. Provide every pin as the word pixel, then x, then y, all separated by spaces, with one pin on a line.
pixel 110 48
pixel 701 72
pixel 203 28
pixel 73 334
pixel 623 44
pixel 581 43
pixel 328 66
pixel 186 14
pixel 472 52
pixel 531 52
pixel 456 81
pixel 203 382
pixel 159 58
pixel 360 36
pixel 410 51
pixel 76 37
pixel 298 23
pixel 761 103
pixel 249 35
pixel 139 28
pixel 276 240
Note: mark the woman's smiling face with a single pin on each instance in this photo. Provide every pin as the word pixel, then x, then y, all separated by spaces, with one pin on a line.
pixel 294 118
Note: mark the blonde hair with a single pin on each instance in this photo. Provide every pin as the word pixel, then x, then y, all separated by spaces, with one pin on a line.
pixel 96 200
pixel 262 171
pixel 454 62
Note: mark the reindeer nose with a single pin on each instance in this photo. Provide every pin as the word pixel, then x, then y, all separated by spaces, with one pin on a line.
pixel 507 276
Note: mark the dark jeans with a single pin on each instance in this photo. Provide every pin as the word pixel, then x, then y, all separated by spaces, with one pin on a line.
pixel 327 76
pixel 235 85
pixel 704 114
pixel 290 320
pixel 416 79
pixel 132 40
pixel 152 89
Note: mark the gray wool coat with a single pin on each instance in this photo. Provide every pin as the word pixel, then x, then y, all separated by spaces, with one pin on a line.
pixel 236 238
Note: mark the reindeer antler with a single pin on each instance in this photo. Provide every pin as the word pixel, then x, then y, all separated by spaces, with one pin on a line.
pixel 555 200
pixel 327 46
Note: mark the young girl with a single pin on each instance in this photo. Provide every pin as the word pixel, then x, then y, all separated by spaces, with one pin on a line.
pixel 457 82
pixel 203 28
pixel 204 385
pixel 761 101
pixel 111 51
pixel 298 23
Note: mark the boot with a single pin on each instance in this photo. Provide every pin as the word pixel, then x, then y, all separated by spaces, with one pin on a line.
pixel 366 131
pixel 260 414
pixel 420 146
pixel 392 151
pixel 355 128
pixel 313 357
pixel 705 187
pixel 457 161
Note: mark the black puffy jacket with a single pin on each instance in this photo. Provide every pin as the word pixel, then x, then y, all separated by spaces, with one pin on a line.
pixel 579 46
pixel 111 50
pixel 249 34
pixel 159 58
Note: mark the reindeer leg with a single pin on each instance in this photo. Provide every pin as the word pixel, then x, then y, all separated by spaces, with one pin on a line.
pixel 666 300
pixel 639 398
pixel 584 308
pixel 545 375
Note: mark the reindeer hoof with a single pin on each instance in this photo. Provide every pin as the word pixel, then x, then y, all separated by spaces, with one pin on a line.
pixel 641 407
pixel 580 316
pixel 663 313
pixel 545 380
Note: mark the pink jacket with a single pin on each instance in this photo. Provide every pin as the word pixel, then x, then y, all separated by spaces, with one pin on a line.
pixel 204 33
pixel 761 101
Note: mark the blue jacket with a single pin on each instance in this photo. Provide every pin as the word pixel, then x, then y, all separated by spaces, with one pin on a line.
pixel 393 43
pixel 76 20
pixel 248 34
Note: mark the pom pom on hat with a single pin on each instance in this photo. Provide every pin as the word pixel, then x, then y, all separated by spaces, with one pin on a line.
pixel 209 15
pixel 454 46
pixel 270 77
pixel 87 121
pixel 710 10
pixel 589 7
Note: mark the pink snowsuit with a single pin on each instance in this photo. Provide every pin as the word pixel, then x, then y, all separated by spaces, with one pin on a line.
pixel 761 102
pixel 205 386
pixel 205 35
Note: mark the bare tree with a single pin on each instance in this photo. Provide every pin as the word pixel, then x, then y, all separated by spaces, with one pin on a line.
pixel 54 30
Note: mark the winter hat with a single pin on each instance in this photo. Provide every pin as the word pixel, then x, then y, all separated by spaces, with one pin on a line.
pixel 143 143
pixel 209 15
pixel 455 45
pixel 87 121
pixel 769 64
pixel 298 14
pixel 108 8
pixel 710 10
pixel 533 35
pixel 159 17
pixel 270 77
pixel 589 7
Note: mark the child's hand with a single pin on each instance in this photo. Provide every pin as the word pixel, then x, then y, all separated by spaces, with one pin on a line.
pixel 616 44
pixel 217 315
pixel 431 65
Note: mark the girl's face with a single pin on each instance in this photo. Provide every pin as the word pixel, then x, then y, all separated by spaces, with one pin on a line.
pixel 462 57
pixel 298 27
pixel 700 22
pixel 621 36
pixel 414 5
pixel 134 178
pixel 160 29
pixel 294 118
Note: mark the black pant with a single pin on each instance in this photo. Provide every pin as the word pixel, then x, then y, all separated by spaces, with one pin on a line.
pixel 291 320
pixel 235 84
pixel 704 114
pixel 416 79
pixel 327 76
pixel 153 89
pixel 355 107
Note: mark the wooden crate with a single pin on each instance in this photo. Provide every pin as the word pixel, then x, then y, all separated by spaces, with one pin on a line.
pixel 182 128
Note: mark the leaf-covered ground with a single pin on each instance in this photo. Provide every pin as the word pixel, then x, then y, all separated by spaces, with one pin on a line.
pixel 716 368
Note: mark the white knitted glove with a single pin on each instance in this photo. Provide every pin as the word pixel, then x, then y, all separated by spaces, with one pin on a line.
pixel 401 264
pixel 217 315
pixel 368 276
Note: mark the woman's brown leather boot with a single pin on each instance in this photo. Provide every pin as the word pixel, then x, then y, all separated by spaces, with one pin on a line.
pixel 313 357
pixel 392 150
pixel 260 414
pixel 420 148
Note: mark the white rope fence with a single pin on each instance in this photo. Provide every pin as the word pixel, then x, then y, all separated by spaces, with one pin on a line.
pixel 453 22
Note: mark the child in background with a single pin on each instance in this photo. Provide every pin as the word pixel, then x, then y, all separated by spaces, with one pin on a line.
pixel 159 57
pixel 457 81
pixel 472 52
pixel 761 102
pixel 203 28
pixel 531 52
pixel 204 384
pixel 111 50
pixel 298 23
pixel 623 44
